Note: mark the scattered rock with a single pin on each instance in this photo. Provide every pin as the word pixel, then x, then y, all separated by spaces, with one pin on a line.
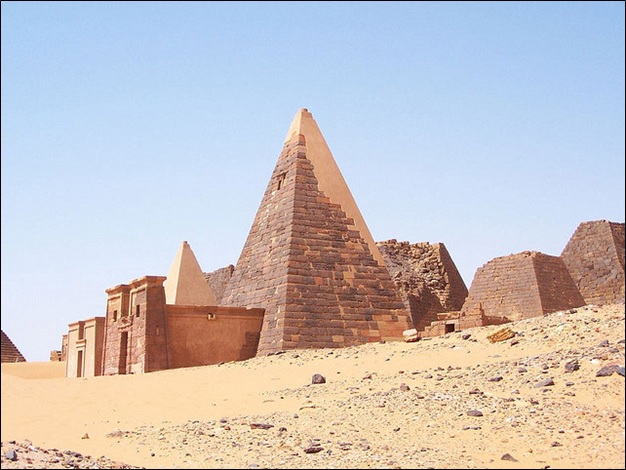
pixel 572 365
pixel 607 370
pixel 501 335
pixel 509 457
pixel 545 383
pixel 261 426
pixel 410 336
pixel 318 379
pixel 313 449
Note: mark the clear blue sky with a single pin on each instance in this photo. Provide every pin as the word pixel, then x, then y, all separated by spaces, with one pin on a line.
pixel 491 127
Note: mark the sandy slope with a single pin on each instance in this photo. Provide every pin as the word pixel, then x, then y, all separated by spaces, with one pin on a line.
pixel 448 402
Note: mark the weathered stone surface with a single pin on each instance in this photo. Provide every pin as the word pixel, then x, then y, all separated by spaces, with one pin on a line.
pixel 426 278
pixel 501 335
pixel 594 257
pixel 318 379
pixel 218 280
pixel 524 285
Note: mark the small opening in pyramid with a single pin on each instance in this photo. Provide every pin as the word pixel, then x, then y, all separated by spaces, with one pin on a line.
pixel 280 180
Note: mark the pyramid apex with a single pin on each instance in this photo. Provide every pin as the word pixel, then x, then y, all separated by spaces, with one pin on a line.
pixel 297 127
pixel 185 283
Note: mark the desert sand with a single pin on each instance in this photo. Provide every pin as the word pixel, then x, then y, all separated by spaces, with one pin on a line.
pixel 552 396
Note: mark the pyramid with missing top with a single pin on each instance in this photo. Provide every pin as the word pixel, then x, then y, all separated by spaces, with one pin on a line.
pixel 185 283
pixel 310 259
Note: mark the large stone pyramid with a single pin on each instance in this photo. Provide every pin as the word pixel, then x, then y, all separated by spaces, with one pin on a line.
pixel 594 256
pixel 9 351
pixel 310 260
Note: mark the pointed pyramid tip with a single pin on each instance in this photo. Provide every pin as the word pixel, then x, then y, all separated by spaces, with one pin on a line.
pixel 185 283
pixel 296 124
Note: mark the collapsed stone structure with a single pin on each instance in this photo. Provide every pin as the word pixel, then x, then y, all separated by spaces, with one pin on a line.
pixel 218 280
pixel 426 278
pixel 8 350
pixel 594 257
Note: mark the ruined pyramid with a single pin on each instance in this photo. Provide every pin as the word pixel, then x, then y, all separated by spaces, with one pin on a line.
pixel 310 260
pixel 523 285
pixel 594 256
pixel 185 283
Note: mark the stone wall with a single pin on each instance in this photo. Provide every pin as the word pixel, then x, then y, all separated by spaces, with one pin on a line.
pixel 519 286
pixel 218 280
pixel 594 257
pixel 426 278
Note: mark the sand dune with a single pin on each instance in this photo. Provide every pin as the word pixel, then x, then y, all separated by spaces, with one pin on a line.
pixel 457 401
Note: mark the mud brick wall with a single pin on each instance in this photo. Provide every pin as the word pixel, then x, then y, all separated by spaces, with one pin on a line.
pixel 218 280
pixel 426 278
pixel 203 335
pixel 8 351
pixel 594 257
pixel 519 286
pixel 311 271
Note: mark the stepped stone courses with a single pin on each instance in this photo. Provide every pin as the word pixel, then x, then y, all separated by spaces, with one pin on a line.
pixel 9 352
pixel 594 257
pixel 426 278
pixel 306 263
pixel 519 286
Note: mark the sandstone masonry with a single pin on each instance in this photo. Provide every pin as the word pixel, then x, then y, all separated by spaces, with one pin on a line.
pixel 426 278
pixel 594 256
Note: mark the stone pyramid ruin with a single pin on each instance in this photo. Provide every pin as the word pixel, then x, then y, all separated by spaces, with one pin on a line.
pixel 185 283
pixel 8 351
pixel 426 278
pixel 310 260
pixel 594 256
pixel 519 286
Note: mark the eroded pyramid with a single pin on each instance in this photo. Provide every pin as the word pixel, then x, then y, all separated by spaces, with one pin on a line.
pixel 594 256
pixel 519 286
pixel 310 260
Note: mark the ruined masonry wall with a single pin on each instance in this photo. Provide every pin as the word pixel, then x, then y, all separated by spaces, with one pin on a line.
pixel 426 278
pixel 218 280
pixel 594 257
